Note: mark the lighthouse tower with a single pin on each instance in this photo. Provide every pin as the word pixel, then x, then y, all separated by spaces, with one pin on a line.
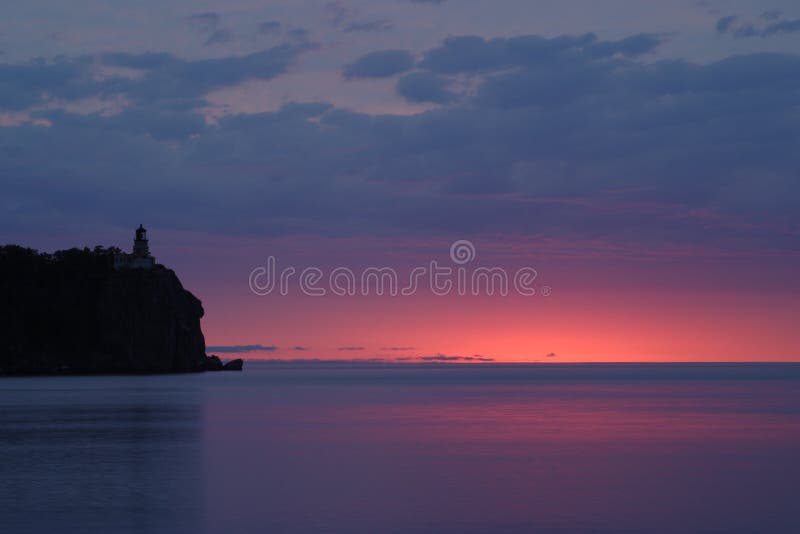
pixel 140 247
pixel 141 258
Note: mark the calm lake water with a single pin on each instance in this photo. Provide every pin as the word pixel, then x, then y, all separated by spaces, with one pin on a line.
pixel 379 448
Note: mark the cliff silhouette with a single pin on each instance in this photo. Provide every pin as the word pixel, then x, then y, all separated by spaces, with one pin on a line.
pixel 73 312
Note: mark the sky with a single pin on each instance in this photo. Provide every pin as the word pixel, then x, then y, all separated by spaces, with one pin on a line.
pixel 642 158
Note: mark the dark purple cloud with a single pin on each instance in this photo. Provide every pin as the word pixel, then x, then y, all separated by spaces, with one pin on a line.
pixel 784 26
pixel 446 358
pixel 563 137
pixel 160 77
pixel 475 54
pixel 241 348
pixel 221 36
pixel 269 27
pixel 725 23
pixel 25 84
pixel 425 87
pixel 204 22
pixel 741 30
pixel 380 64
pixel 633 46
pixel 299 35
pixel 381 25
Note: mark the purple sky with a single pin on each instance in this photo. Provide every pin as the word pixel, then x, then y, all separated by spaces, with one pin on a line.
pixel 580 129
pixel 299 116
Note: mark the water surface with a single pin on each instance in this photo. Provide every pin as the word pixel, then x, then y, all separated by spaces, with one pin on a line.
pixel 405 448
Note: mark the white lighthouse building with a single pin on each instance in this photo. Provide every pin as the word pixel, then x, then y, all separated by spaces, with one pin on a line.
pixel 141 258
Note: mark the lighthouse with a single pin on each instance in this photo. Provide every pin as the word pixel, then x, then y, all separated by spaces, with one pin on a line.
pixel 141 258
pixel 140 247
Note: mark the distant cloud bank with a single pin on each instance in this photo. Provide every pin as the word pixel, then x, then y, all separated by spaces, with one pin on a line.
pixel 241 348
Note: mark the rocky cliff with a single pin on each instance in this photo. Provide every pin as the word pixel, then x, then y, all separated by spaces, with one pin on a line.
pixel 71 312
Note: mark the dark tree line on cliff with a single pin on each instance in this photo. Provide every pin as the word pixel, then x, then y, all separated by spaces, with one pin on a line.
pixel 71 311
pixel 17 260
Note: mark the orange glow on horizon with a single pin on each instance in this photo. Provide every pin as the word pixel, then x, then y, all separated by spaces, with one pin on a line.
pixel 600 327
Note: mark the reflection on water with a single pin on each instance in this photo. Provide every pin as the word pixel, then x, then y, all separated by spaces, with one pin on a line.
pixel 110 454
pixel 371 448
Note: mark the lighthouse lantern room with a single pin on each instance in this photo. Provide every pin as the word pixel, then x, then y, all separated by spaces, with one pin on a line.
pixel 141 258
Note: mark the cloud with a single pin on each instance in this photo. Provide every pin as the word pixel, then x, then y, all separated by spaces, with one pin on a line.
pixel 299 35
pixel 241 348
pixel 380 64
pixel 551 355
pixel 166 76
pixel 425 87
pixel 445 358
pixel 350 348
pixel 784 26
pixel 25 84
pixel 750 29
pixel 219 37
pixel 398 348
pixel 724 23
pixel 157 77
pixel 381 25
pixel 345 18
pixel 301 349
pixel 553 138
pixel 204 22
pixel 208 24
pixel 269 27
pixel 633 46
pixel 472 53
pixel 464 54
pixel 745 30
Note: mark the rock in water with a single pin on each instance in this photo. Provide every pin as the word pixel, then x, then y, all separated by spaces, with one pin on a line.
pixel 72 312
pixel 213 363
pixel 233 365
